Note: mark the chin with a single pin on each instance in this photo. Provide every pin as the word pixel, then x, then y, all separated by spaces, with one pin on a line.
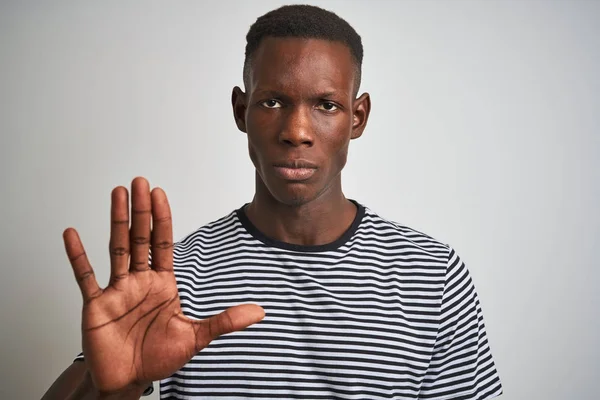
pixel 294 199
pixel 293 196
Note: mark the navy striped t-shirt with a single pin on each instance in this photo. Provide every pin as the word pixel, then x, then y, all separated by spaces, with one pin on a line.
pixel 384 312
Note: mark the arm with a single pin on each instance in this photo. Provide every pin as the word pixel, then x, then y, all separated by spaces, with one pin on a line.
pixel 75 383
pixel 461 366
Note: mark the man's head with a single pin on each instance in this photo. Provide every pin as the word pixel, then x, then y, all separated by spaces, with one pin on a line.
pixel 303 21
pixel 300 109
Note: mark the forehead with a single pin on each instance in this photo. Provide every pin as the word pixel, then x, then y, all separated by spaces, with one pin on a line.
pixel 302 64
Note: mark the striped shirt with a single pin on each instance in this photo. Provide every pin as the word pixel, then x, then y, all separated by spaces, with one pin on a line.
pixel 384 312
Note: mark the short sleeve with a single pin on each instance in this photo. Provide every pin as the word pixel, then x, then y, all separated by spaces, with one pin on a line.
pixel 461 366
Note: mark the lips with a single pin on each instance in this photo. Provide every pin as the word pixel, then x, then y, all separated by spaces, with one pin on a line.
pixel 295 170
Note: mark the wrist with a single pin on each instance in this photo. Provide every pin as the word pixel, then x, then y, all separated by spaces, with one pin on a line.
pixel 133 391
pixel 88 391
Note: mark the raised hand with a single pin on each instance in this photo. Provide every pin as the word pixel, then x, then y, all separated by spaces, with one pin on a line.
pixel 133 330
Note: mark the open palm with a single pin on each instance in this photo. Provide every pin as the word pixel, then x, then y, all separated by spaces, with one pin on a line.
pixel 134 331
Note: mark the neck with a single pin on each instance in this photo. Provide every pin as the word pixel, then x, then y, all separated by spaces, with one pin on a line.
pixel 318 222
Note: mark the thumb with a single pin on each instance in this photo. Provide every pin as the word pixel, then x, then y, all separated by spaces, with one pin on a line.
pixel 231 320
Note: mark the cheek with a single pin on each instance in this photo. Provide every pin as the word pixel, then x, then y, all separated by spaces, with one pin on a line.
pixel 342 156
pixel 336 139
pixel 259 132
pixel 261 126
pixel 252 153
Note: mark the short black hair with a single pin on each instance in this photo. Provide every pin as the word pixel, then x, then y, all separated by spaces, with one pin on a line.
pixel 303 21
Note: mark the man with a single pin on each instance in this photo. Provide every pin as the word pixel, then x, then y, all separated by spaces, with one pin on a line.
pixel 350 305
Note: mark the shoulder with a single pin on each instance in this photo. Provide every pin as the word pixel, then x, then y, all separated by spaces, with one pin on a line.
pixel 216 230
pixel 392 233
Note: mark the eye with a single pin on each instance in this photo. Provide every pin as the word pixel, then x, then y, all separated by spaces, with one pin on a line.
pixel 271 103
pixel 327 106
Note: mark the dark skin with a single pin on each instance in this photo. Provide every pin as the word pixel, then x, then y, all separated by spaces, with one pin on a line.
pixel 133 330
pixel 300 105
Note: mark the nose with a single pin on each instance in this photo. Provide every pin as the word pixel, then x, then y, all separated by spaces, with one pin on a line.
pixel 297 129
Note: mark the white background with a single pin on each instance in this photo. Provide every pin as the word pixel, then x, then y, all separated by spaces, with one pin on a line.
pixel 484 133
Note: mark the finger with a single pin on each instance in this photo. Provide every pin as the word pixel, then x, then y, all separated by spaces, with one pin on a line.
pixel 139 235
pixel 231 320
pixel 162 232
pixel 119 234
pixel 84 273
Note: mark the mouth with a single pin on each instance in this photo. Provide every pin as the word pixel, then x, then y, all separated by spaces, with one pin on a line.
pixel 295 170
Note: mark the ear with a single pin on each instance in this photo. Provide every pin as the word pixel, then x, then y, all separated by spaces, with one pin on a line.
pixel 238 102
pixel 360 115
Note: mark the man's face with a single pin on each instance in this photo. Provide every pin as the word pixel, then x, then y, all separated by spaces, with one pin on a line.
pixel 299 113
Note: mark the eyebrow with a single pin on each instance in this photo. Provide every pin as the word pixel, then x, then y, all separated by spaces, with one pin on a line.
pixel 331 93
pixel 280 94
